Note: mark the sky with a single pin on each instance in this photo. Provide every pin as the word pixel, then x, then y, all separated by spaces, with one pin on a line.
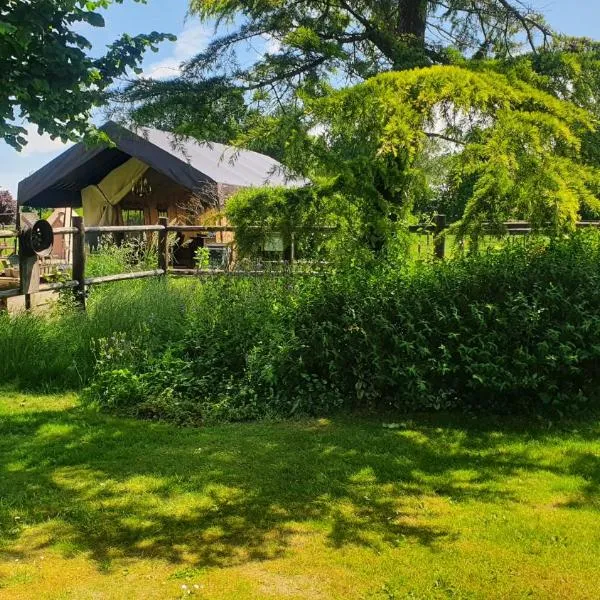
pixel 574 17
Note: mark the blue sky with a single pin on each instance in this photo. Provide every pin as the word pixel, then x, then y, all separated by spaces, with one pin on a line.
pixel 575 17
pixel 167 16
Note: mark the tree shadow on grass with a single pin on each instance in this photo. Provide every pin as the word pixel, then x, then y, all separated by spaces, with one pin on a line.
pixel 230 494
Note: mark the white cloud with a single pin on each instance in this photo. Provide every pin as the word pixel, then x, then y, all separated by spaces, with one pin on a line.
pixel 192 40
pixel 41 144
pixel 10 181
pixel 273 45
pixel 17 165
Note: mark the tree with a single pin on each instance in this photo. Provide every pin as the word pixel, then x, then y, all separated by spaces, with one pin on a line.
pixel 8 208
pixel 510 150
pixel 48 78
pixel 404 103
pixel 311 43
pixel 570 70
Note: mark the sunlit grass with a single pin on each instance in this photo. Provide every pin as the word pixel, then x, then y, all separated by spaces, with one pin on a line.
pixel 92 506
pixel 421 245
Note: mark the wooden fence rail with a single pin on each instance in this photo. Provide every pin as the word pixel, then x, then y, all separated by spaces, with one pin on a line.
pixel 79 282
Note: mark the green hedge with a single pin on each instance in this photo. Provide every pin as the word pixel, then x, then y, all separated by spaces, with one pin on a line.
pixel 512 330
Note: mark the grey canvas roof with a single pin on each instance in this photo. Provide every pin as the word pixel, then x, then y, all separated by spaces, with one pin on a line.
pixel 187 162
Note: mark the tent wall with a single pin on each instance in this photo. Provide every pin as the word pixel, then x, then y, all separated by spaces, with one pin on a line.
pixel 164 197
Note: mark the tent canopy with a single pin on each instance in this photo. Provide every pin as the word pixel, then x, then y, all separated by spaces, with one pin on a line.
pixel 185 161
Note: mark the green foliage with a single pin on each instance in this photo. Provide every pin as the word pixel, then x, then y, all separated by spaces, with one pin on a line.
pixel 58 350
pixel 312 45
pixel 314 42
pixel 505 149
pixel 48 77
pixel 258 213
pixel 494 137
pixel 133 254
pixel 201 374
pixel 514 330
pixel 203 111
pixel 511 330
pixel 569 69
pixel 202 258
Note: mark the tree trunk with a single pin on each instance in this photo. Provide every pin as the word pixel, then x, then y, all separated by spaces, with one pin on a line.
pixel 412 20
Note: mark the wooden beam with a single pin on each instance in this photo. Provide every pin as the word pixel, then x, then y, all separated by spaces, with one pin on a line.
pixel 163 246
pixel 10 293
pixel 124 277
pixel 122 228
pixel 79 260
pixel 64 230
pixel 255 273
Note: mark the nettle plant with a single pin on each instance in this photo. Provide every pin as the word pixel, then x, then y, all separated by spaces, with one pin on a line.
pixel 504 149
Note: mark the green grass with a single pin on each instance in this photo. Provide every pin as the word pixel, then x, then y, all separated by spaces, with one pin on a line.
pixel 421 246
pixel 98 507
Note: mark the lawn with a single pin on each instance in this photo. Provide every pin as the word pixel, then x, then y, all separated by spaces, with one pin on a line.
pixel 99 507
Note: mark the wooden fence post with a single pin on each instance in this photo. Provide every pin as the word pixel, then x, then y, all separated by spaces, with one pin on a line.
pixel 79 260
pixel 439 240
pixel 22 283
pixel 163 245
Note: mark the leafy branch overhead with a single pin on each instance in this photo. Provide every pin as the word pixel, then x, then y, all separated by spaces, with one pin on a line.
pixel 265 51
pixel 509 149
pixel 48 76
pixel 351 40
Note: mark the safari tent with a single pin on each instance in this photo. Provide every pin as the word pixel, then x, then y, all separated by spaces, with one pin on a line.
pixel 147 173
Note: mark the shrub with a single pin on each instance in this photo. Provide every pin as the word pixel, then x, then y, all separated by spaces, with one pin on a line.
pixel 257 213
pixel 515 329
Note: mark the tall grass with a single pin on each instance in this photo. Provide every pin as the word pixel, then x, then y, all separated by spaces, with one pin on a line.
pixel 513 330
pixel 56 351
pixel 132 254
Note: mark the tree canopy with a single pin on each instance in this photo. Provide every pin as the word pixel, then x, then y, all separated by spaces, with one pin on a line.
pixel 308 43
pixel 508 150
pixel 363 37
pixel 48 76
pixel 8 208
pixel 474 107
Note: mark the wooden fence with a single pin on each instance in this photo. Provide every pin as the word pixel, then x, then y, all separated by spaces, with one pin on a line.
pixel 80 283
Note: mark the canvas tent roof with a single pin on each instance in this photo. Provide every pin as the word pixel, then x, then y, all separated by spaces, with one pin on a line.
pixel 187 162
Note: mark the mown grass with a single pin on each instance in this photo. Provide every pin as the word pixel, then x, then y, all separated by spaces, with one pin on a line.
pixel 98 507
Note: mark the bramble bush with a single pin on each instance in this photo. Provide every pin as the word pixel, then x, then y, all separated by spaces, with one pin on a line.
pixel 510 330
pixel 515 330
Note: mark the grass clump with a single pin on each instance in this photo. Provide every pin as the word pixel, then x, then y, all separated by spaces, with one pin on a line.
pixel 58 350
pixel 131 254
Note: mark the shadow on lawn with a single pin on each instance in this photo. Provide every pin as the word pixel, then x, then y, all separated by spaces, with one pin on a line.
pixel 225 495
